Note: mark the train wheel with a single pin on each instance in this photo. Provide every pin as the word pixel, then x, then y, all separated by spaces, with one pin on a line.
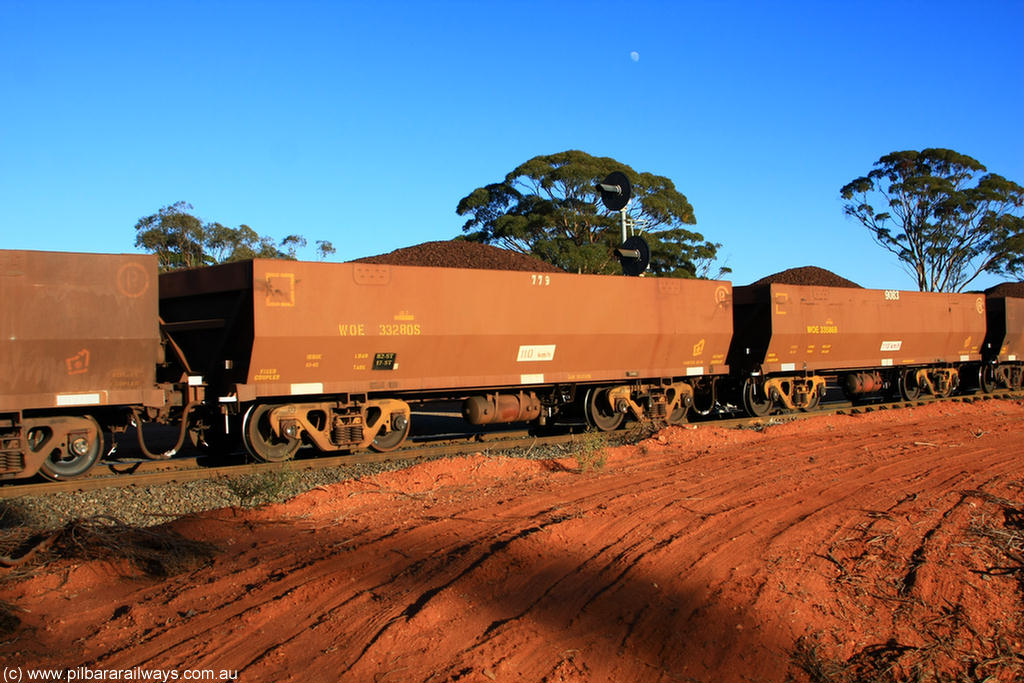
pixel 910 390
pixel 678 416
pixel 754 400
pixel 394 437
pixel 987 379
pixel 598 413
pixel 260 440
pixel 948 388
pixel 813 401
pixel 84 445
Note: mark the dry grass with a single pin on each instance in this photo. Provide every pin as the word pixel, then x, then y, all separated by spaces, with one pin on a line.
pixel 939 661
pixel 1007 540
pixel 951 649
pixel 267 487
pixel 154 551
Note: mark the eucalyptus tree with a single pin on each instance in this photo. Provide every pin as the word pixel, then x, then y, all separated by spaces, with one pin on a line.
pixel 943 215
pixel 549 207
pixel 181 240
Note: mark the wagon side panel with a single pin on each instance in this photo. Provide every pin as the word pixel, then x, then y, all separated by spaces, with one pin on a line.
pixel 77 330
pixel 337 328
pixel 821 328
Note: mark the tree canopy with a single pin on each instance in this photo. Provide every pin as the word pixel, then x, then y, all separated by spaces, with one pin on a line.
pixel 181 240
pixel 942 215
pixel 549 207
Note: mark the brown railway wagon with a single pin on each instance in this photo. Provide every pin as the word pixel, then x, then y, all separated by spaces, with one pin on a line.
pixel 79 337
pixel 806 332
pixel 287 333
pixel 1004 346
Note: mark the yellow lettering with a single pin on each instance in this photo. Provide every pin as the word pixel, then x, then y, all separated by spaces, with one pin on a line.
pixel 399 330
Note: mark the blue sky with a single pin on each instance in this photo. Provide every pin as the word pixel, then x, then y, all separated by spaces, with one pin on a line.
pixel 364 123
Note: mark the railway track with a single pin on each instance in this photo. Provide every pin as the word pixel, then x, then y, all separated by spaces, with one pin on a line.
pixel 186 469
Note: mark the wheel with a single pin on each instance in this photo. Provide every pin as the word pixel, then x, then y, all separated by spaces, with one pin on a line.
pixel 754 400
pixel 84 446
pixel 678 416
pixel 598 413
pixel 394 436
pixel 950 389
pixel 910 390
pixel 987 379
pixel 813 401
pixel 260 440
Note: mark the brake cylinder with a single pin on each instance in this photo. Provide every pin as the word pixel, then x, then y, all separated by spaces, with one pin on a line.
pixel 497 408
pixel 864 383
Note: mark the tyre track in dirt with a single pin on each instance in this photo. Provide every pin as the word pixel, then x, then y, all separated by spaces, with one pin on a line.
pixel 700 554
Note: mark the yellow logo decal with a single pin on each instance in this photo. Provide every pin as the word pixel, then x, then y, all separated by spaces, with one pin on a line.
pixel 280 289
pixel 781 299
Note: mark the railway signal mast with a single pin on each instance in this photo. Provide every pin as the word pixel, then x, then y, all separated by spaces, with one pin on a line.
pixel 634 253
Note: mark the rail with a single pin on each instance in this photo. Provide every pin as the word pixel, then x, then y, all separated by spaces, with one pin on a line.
pixel 185 469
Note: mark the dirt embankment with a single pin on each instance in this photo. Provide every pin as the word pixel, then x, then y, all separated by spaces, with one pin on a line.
pixel 814 550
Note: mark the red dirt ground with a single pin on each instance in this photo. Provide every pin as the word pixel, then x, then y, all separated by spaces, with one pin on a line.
pixel 820 549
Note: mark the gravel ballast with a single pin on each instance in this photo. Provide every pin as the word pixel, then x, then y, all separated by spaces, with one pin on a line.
pixel 149 505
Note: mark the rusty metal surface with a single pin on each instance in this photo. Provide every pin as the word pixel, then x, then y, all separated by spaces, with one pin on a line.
pixel 365 328
pixel 791 328
pixel 1005 340
pixel 77 330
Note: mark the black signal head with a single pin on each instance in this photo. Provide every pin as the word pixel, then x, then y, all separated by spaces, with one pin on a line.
pixel 615 191
pixel 634 255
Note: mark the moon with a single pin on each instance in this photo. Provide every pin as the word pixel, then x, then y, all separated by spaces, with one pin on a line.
pixel 635 56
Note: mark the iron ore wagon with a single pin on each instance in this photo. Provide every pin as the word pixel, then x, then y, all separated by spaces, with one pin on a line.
pixel 334 354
